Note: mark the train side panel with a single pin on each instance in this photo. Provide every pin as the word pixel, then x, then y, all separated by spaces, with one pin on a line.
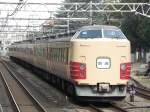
pixel 40 55
pixel 58 59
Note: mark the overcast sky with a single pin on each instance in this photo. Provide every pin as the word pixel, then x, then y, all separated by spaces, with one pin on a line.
pixel 27 14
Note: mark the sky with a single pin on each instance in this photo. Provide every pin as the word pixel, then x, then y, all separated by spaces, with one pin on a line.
pixel 3 14
pixel 20 14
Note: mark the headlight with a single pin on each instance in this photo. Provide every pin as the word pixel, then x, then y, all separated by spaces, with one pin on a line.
pixel 123 67
pixel 82 66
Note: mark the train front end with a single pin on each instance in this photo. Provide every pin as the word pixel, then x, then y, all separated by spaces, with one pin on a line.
pixel 100 62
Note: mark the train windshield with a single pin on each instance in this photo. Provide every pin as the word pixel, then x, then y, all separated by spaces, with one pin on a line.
pixel 113 34
pixel 90 34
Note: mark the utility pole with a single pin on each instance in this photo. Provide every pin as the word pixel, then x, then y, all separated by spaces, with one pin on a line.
pixel 91 13
pixel 68 23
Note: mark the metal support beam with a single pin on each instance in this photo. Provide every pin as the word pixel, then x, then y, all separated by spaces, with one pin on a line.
pixel 18 26
pixel 88 7
pixel 13 32
pixel 73 19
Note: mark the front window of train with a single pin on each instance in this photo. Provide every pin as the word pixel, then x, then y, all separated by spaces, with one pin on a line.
pixel 90 34
pixel 107 33
pixel 113 34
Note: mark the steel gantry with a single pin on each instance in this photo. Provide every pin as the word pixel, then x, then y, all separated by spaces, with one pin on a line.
pixel 140 8
pixel 71 9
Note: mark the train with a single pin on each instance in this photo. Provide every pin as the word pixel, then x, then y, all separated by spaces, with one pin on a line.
pixel 93 62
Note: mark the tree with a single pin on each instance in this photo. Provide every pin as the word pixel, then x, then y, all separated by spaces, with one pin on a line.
pixel 137 29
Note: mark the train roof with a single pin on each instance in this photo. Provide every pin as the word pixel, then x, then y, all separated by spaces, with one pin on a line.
pixel 98 27
pixel 66 35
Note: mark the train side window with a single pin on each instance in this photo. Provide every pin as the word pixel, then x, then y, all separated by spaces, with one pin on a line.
pixel 50 53
pixel 37 52
pixel 34 51
pixel 31 51
pixel 64 55
pixel 46 52
pixel 56 54
pixel 43 52
pixel 59 54
pixel 40 51
pixel 67 51
pixel 48 49
pixel 64 52
pixel 53 54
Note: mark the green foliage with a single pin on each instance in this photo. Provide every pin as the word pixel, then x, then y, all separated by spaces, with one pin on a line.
pixel 137 29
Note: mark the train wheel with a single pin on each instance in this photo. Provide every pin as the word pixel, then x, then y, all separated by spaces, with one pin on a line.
pixel 70 89
pixel 63 85
pixel 54 80
pixel 50 78
pixel 58 82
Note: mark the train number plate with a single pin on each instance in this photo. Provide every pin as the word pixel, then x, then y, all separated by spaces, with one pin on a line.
pixel 103 87
pixel 103 63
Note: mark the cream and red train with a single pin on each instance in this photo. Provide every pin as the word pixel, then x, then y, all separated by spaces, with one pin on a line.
pixel 93 63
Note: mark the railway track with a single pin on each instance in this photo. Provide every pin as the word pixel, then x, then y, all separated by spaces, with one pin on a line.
pixel 141 90
pixel 94 108
pixel 21 99
pixel 112 107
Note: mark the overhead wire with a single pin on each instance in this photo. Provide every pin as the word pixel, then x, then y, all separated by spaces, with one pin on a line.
pixel 18 7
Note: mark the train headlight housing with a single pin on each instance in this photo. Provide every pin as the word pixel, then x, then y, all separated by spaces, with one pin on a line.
pixel 82 66
pixel 123 67
pixel 78 70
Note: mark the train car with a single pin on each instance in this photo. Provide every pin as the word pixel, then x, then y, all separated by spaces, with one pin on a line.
pixel 93 63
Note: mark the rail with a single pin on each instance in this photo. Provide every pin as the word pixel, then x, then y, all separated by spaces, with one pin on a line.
pixel 113 107
pixel 141 90
pixel 12 99
pixel 33 99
